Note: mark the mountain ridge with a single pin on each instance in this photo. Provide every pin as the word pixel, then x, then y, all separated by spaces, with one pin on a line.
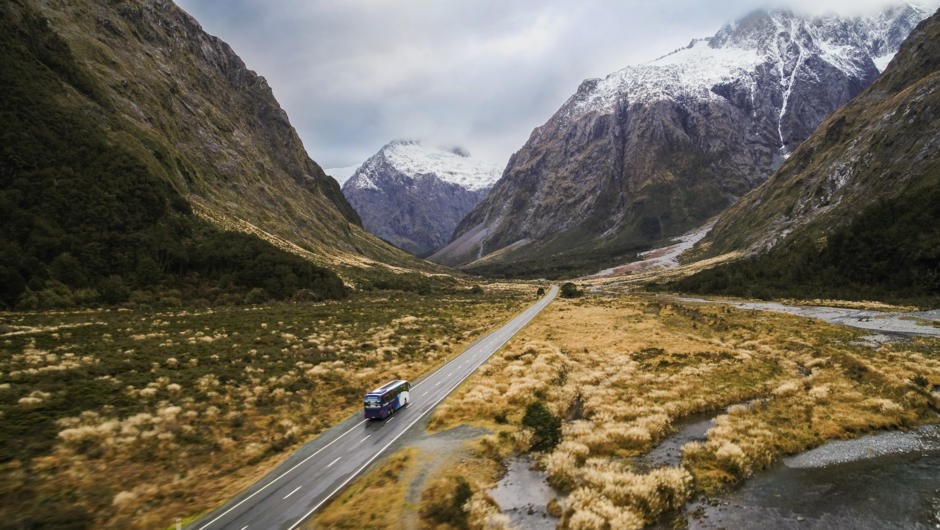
pixel 653 150
pixel 854 211
pixel 87 220
pixel 184 102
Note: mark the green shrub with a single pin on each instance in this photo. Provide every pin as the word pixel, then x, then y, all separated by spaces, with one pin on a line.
pixel 545 426
pixel 570 290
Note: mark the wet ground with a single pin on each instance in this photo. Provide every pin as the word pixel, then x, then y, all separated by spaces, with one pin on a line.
pixel 523 494
pixel 884 323
pixel 669 451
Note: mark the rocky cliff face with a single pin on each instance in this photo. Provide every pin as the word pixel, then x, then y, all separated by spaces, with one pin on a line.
pixel 875 148
pixel 187 105
pixel 413 195
pixel 654 149
pixel 855 212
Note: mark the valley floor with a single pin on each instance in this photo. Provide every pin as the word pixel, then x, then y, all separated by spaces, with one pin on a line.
pixel 616 373
pixel 130 418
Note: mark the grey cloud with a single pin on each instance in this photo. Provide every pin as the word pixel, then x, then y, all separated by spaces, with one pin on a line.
pixel 353 74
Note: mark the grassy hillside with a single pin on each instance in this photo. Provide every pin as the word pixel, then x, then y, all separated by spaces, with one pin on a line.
pixel 86 220
pixel 187 107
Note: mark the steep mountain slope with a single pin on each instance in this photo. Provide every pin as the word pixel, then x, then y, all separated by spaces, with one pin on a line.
pixel 655 149
pixel 187 106
pixel 414 195
pixel 86 219
pixel 855 212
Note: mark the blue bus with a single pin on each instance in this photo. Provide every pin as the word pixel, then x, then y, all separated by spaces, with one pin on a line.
pixel 385 400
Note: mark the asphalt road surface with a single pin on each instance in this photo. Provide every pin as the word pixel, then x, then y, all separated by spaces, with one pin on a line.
pixel 322 468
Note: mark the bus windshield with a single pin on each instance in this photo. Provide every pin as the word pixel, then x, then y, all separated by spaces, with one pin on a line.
pixel 386 399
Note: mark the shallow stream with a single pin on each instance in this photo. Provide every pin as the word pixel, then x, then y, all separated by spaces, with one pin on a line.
pixel 880 481
pixel 825 489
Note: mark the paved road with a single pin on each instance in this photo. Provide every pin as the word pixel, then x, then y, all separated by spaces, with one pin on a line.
pixel 320 469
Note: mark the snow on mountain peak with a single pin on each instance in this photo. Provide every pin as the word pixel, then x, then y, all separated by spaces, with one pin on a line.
pixel 455 165
pixel 778 39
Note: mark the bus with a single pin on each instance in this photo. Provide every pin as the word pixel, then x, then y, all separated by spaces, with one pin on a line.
pixel 385 400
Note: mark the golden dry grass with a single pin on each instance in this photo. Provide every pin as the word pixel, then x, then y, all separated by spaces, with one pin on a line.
pixel 622 370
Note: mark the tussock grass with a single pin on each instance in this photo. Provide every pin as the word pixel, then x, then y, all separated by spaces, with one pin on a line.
pixel 125 418
pixel 620 371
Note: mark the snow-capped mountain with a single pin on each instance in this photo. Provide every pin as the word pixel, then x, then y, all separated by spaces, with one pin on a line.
pixel 740 53
pixel 655 149
pixel 855 212
pixel 413 195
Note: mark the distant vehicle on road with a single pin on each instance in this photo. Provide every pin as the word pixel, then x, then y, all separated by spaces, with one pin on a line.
pixel 385 400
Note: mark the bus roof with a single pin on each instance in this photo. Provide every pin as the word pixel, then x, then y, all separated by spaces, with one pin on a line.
pixel 387 386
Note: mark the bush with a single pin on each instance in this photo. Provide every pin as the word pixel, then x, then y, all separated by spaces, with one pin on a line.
pixel 570 290
pixel 546 427
pixel 113 290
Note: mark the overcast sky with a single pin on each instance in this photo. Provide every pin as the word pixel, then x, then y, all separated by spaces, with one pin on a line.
pixel 355 74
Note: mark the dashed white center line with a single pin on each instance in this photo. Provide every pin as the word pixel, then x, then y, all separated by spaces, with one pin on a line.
pixel 450 374
pixel 364 439
pixel 288 495
pixel 437 383
pixel 425 393
pixel 338 458
pixel 390 418
pixel 245 527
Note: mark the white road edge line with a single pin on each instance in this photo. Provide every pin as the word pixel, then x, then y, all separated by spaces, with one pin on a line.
pixel 376 455
pixel 279 477
pixel 410 425
pixel 295 490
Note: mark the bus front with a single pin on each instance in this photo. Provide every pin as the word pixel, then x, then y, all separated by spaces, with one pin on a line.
pixel 373 406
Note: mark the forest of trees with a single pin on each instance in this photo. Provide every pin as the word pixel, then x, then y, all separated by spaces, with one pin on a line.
pixel 890 251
